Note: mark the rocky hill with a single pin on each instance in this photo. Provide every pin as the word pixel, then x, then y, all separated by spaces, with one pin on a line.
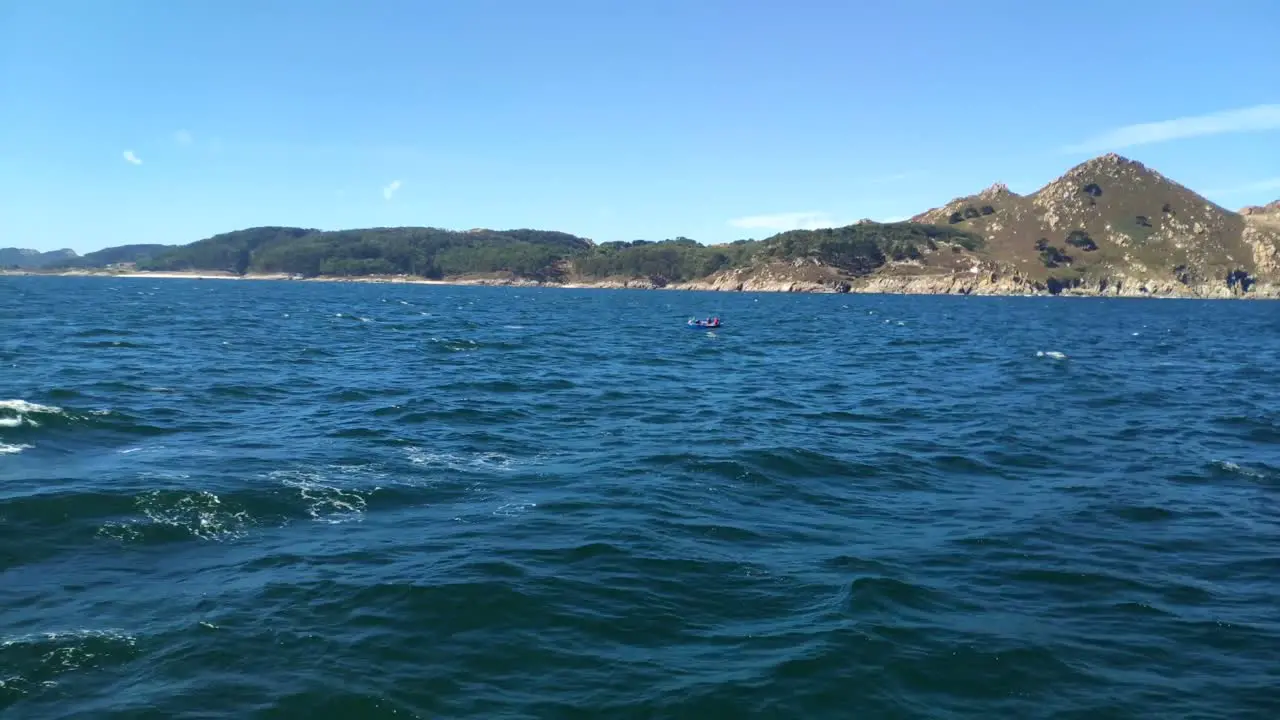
pixel 1268 209
pixel 23 259
pixel 1113 225
pixel 1263 215
pixel 121 254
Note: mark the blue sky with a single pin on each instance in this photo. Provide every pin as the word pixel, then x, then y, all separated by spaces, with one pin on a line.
pixel 153 121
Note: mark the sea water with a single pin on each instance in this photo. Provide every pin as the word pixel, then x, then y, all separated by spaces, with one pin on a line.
pixel 313 500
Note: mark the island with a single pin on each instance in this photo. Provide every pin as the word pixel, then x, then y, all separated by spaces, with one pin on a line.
pixel 1107 227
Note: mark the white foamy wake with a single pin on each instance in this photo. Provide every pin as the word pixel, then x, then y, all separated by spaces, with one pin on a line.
pixel 12 449
pixel 1054 354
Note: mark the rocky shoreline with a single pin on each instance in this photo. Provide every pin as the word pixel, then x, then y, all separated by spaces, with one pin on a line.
pixel 989 284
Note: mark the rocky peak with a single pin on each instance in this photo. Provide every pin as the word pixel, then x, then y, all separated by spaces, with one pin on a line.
pixel 1272 208
pixel 1110 165
pixel 1112 159
pixel 998 190
pixel 1087 182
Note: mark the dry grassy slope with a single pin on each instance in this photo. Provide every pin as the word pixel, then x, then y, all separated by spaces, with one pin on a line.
pixel 1143 224
pixel 1007 220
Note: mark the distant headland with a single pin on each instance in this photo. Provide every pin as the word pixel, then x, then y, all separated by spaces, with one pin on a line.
pixel 1109 226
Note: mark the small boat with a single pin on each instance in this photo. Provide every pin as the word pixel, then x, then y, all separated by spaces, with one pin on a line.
pixel 706 324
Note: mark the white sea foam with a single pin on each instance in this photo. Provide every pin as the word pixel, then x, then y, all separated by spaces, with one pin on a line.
pixel 16 413
pixel 12 449
pixel 1053 354
pixel 59 652
pixel 452 461
pixel 67 636
pixel 325 502
pixel 22 407
pixel 200 513
pixel 1236 468
pixel 514 508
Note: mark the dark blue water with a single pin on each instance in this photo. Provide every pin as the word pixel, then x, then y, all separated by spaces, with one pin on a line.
pixel 243 499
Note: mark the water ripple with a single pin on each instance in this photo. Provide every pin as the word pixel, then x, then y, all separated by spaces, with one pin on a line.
pixel 300 499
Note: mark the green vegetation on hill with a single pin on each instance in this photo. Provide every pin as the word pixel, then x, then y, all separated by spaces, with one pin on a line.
pixel 228 252
pixel 1108 223
pixel 21 259
pixel 424 252
pixel 541 255
pixel 678 260
pixel 114 256
pixel 860 249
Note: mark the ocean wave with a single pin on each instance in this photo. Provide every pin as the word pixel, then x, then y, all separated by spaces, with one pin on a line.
pixel 177 514
pixel 480 461
pixel 816 515
pixel 24 407
pixel 16 413
pixel 33 663
pixel 323 499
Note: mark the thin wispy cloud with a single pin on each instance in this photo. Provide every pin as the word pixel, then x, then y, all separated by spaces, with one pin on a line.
pixel 391 189
pixel 1251 119
pixel 779 222
pixel 183 137
pixel 131 158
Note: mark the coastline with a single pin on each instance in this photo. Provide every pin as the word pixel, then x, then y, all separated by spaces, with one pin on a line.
pixel 939 284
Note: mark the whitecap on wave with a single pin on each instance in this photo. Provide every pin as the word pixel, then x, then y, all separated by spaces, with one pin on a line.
pixel 320 490
pixel 20 412
pixel 200 513
pixel 451 461
pixel 32 662
pixel 17 413
pixel 23 407
pixel 514 508
pixel 1231 467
